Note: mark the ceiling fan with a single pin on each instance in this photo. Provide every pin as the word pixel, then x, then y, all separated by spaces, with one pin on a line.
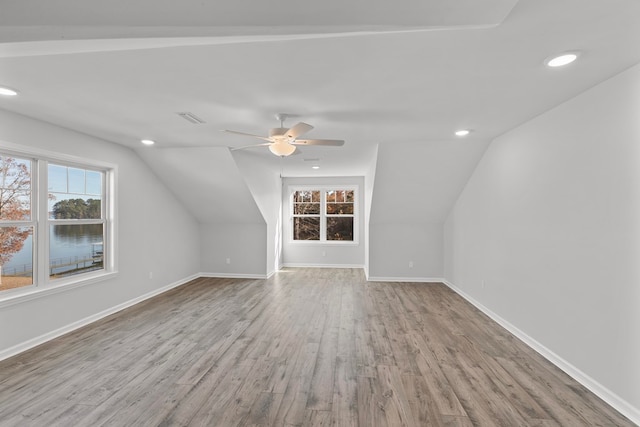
pixel 283 141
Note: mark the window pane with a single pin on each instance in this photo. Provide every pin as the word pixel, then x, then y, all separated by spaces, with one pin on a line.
pixel 75 249
pixel 306 228
pixel 331 196
pixel 15 189
pixel 94 183
pixel 340 228
pixel 340 208
pixel 349 196
pixel 16 257
pixel 57 179
pixel 306 208
pixel 76 181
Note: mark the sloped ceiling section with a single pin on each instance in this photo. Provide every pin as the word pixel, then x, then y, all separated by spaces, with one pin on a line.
pixel 91 19
pixel 207 182
pixel 262 180
pixel 419 182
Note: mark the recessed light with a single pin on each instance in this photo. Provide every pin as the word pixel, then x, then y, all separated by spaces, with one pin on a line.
pixel 148 142
pixel 7 91
pixel 315 167
pixel 463 132
pixel 562 60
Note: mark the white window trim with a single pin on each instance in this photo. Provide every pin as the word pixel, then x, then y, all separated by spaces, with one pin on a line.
pixel 323 215
pixel 44 286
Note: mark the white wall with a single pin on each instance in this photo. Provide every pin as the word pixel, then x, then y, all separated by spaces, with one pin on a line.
pixel 233 221
pixel 155 234
pixel 416 184
pixel 550 223
pixel 266 187
pixel 369 186
pixel 244 245
pixel 405 251
pixel 311 254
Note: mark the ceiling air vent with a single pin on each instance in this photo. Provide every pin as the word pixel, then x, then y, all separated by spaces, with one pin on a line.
pixel 190 117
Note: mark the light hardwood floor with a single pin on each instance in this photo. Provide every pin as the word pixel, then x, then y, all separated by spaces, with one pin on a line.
pixel 309 347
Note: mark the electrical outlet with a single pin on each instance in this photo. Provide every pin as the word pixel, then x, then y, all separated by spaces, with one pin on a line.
pixel 410 264
pixel 324 253
pixel 483 284
pixel 228 260
pixel 150 275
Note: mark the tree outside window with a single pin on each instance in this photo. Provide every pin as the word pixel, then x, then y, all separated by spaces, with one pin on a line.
pixel 15 216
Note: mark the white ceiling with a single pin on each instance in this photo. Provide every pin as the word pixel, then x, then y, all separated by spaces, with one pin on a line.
pixel 369 72
pixel 255 13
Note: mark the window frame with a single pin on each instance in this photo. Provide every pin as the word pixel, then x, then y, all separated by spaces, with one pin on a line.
pixel 43 284
pixel 323 214
pixel 52 222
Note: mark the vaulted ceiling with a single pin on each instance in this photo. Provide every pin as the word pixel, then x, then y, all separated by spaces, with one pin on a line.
pixel 402 74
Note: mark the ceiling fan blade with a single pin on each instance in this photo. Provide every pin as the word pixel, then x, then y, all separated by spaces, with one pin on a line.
pixel 297 130
pixel 246 134
pixel 266 144
pixel 328 142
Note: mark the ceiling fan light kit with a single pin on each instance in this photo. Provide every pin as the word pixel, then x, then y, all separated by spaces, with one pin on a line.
pixel 282 148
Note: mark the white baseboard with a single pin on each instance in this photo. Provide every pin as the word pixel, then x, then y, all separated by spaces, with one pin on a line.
pixel 307 265
pixel 406 279
pixel 235 275
pixel 615 401
pixel 26 345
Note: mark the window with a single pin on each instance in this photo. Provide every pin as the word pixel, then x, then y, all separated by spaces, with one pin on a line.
pixel 306 215
pixel 76 220
pixel 54 222
pixel 339 211
pixel 323 214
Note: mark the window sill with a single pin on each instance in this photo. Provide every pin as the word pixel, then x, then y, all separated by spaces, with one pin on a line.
pixel 19 297
pixel 319 243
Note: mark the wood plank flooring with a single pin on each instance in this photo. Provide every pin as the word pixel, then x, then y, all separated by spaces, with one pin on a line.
pixel 308 347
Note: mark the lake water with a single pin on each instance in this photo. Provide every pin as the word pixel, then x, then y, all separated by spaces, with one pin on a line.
pixel 66 243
